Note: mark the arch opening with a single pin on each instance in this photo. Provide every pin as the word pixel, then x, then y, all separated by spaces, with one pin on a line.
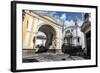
pixel 41 38
pixel 50 36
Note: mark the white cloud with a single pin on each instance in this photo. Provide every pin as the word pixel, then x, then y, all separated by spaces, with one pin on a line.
pixel 63 16
pixel 80 22
pixel 69 23
pixel 72 23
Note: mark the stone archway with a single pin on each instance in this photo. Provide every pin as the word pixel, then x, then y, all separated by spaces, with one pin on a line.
pixel 40 23
pixel 51 35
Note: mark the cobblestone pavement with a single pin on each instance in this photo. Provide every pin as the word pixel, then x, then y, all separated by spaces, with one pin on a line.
pixel 47 57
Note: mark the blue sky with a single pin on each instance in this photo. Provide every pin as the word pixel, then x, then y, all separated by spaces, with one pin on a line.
pixel 68 17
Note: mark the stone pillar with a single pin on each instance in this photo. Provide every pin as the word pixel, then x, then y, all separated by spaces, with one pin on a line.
pixel 35 32
pixel 58 41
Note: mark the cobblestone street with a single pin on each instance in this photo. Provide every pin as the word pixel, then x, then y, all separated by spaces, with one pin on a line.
pixel 48 57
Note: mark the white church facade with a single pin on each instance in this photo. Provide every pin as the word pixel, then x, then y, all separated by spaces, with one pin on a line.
pixel 77 37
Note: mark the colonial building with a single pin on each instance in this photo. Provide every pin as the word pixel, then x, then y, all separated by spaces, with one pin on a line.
pixel 86 29
pixel 33 23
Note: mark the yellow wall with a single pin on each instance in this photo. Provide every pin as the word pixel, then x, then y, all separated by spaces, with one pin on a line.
pixel 24 27
pixel 31 35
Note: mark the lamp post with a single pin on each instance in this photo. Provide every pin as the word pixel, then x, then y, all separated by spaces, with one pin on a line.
pixel 63 18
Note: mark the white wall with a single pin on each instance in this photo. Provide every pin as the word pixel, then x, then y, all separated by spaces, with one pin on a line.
pixel 5 37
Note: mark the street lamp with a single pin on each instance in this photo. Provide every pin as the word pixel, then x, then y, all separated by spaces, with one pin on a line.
pixel 63 19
